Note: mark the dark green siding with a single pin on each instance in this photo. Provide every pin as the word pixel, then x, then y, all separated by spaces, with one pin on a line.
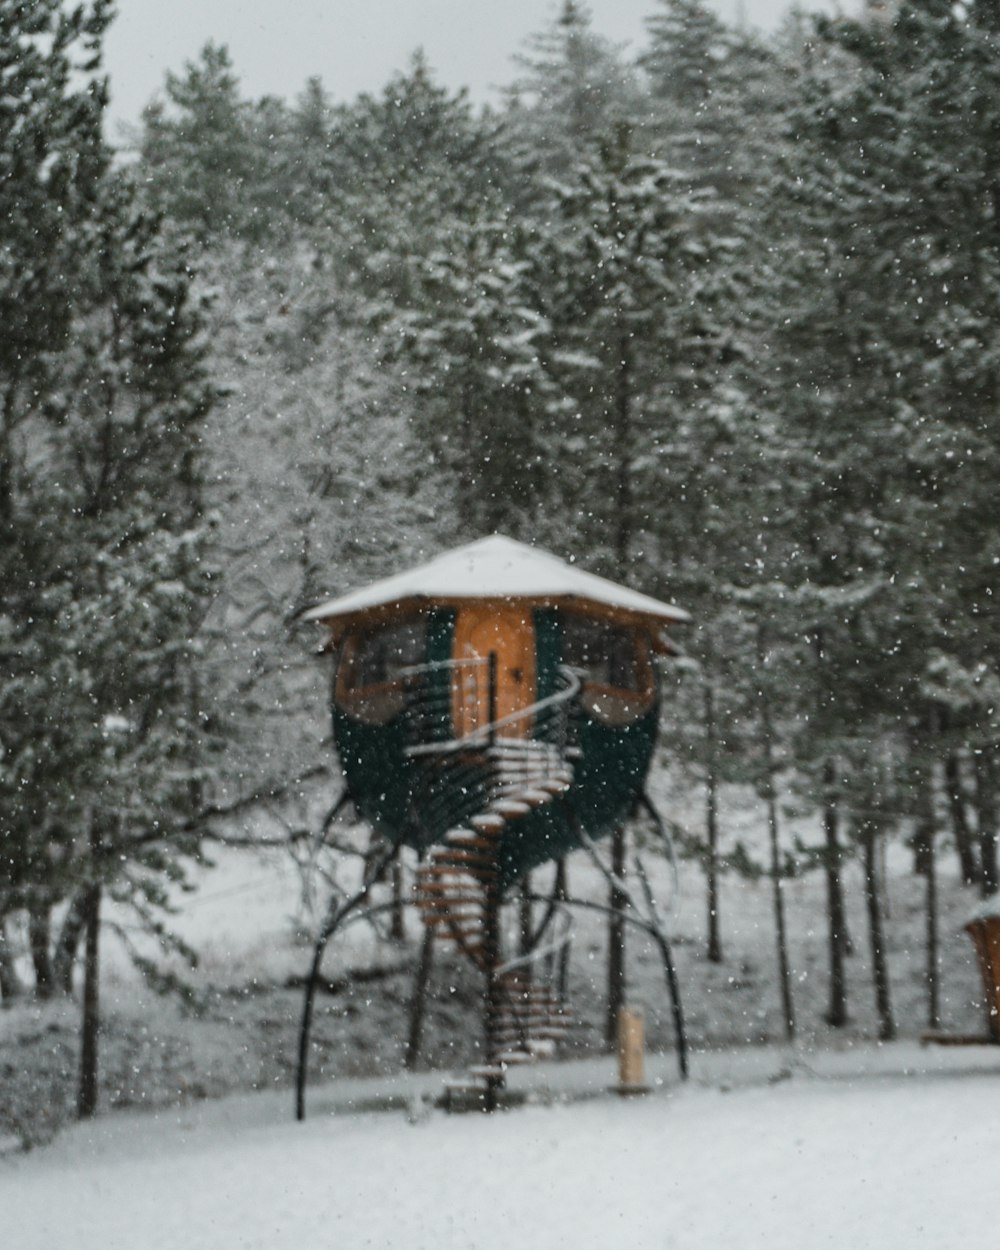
pixel 608 778
pixel 386 786
pixel 548 650
pixel 417 800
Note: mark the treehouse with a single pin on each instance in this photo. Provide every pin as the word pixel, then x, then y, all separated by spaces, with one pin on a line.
pixel 492 709
pixel 496 672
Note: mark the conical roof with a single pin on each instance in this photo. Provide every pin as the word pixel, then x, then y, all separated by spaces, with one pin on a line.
pixel 495 568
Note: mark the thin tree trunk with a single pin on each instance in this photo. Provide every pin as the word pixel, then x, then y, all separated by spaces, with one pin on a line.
pixel 39 935
pixel 622 451
pixel 10 982
pixel 925 833
pixel 418 1003
pixel 714 951
pixel 774 841
pixel 961 832
pixel 68 942
pixel 525 917
pixel 933 977
pixel 986 811
pixel 882 851
pixel 836 1014
pixel 397 925
pixel 90 1024
pixel 616 940
pixel 781 936
pixel 880 970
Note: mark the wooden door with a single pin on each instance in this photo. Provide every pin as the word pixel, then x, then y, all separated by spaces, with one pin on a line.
pixel 508 633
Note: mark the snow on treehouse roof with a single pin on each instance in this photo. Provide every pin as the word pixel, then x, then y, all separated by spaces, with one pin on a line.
pixel 496 568
pixel 988 909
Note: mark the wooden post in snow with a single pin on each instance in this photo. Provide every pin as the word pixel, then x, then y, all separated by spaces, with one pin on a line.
pixel 631 1052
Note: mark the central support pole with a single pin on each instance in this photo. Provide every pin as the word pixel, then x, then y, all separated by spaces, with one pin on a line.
pixel 492 999
pixel 618 902
pixel 491 944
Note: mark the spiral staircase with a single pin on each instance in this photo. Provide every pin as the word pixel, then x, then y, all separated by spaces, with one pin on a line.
pixel 479 787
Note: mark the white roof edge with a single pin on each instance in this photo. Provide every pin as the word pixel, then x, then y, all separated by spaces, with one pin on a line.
pixel 988 909
pixel 496 568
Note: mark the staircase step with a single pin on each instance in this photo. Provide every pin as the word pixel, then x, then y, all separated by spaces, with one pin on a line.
pixel 450 882
pixel 554 785
pixel 536 1028
pixel 478 871
pixel 528 1019
pixel 544 1032
pixel 511 807
pixel 485 822
pixel 461 914
pixel 459 906
pixel 472 843
pixel 535 797
pixel 446 881
pixel 459 856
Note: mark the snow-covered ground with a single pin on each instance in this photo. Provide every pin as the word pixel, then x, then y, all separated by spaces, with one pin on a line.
pixel 880 1147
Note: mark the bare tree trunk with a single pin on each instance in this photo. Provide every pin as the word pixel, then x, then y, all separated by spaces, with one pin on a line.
pixel 836 1014
pixel 961 832
pixel 39 934
pixel 397 925
pixel 986 810
pixel 925 833
pixel 68 942
pixel 616 940
pixel 933 978
pixel 525 917
pixel 774 841
pixel 10 982
pixel 418 1003
pixel 880 969
pixel 86 1104
pixel 781 936
pixel 714 951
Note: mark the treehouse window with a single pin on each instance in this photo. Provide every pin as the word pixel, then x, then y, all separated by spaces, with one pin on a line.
pixel 370 678
pixel 618 683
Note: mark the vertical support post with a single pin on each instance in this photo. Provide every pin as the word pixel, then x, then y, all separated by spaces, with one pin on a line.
pixel 418 1003
pixel 86 1105
pixel 492 705
pixel 492 997
pixel 616 939
pixel 631 1052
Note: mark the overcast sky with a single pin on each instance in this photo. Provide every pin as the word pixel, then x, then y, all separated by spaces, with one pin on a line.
pixel 353 45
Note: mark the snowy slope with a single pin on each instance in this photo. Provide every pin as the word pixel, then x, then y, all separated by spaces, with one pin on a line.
pixel 864 1162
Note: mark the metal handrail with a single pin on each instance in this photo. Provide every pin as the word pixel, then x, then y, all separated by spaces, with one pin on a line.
pixel 484 735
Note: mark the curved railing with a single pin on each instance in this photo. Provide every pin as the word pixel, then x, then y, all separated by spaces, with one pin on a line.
pixel 430 707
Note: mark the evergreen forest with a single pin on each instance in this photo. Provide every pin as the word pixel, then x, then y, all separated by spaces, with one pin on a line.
pixel 720 320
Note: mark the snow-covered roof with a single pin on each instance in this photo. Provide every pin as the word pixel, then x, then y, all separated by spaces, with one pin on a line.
pixel 496 568
pixel 988 909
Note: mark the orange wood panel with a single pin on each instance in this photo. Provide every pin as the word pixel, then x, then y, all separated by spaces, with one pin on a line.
pixel 509 633
pixel 985 936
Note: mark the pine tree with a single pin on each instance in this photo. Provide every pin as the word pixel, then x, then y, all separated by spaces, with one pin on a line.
pixel 400 163
pixel 635 293
pixel 210 157
pixel 104 729
pixel 573 88
pixel 470 341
